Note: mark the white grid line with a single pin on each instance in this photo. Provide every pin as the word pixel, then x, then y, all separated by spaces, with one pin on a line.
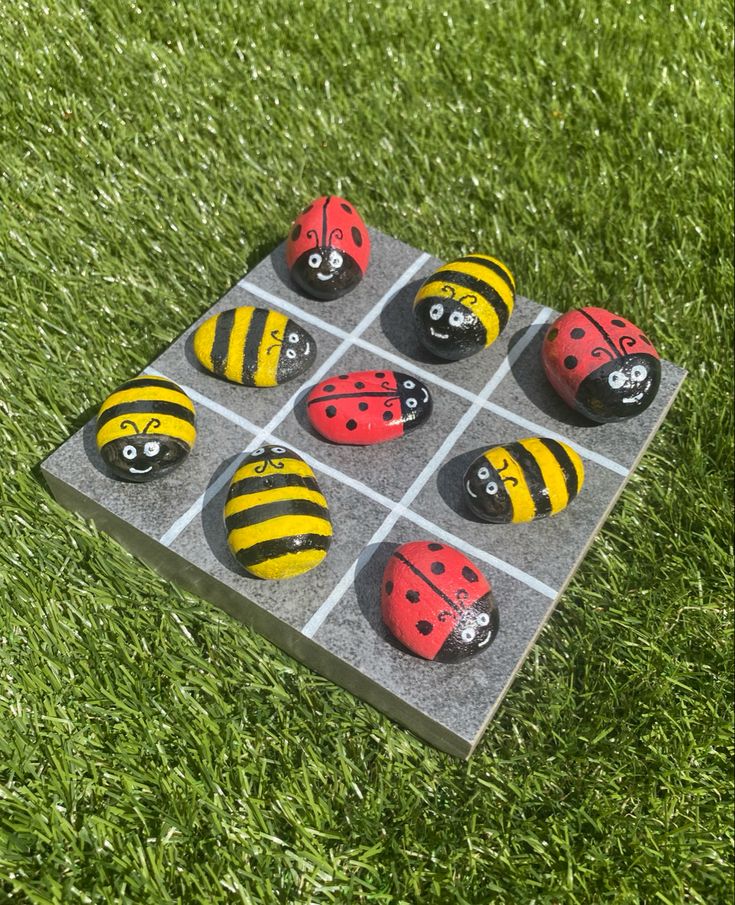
pixel 181 523
pixel 354 484
pixel 317 619
pixel 437 380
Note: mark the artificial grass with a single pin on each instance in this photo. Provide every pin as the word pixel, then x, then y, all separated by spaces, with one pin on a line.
pixel 152 750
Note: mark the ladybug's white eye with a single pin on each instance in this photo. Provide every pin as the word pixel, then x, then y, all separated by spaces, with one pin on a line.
pixel 468 635
pixel 436 312
pixel 130 452
pixel 639 373
pixel 290 353
pixel 616 379
pixel 315 260
pixel 483 619
pixel 335 259
pixel 152 448
pixel 409 384
pixel 411 403
pixel 278 449
pixel 258 452
pixel 483 473
pixel 456 319
pixel 293 337
pixel 492 488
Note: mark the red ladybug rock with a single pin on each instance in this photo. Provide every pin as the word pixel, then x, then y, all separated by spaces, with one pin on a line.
pixel 367 407
pixel 601 364
pixel 437 603
pixel 328 248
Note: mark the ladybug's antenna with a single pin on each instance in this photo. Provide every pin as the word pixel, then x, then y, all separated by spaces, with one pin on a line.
pixel 601 350
pixel 617 353
pixel 626 341
pixel 128 423
pixel 335 233
pixel 313 234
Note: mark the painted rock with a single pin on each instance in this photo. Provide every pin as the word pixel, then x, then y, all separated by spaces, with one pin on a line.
pixel 328 248
pixel 145 428
pixel 437 603
pixel 523 481
pixel 601 364
pixel 276 517
pixel 254 346
pixel 464 306
pixel 367 407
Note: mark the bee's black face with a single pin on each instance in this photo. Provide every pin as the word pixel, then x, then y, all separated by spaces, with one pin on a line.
pixel 486 493
pixel 448 329
pixel 620 388
pixel 142 457
pixel 297 352
pixel 326 273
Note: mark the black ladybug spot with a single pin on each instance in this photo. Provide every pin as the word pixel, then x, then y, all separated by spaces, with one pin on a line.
pixel 356 236
pixel 435 547
pixel 346 207
pixel 296 232
pixel 363 406
pixel 616 322
pixel 424 627
pixel 469 574
pixel 389 587
pixel 351 424
pixel 328 388
pixel 307 209
pixel 330 411
pixel 412 596
pixel 387 416
pixel 552 334
pixel 343 376
pixel 645 339
pixel 359 385
pixel 577 333
pixel 570 362
pixel 437 567
pixel 380 374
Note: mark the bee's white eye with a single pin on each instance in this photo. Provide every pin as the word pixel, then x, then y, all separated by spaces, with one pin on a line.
pixel 335 259
pixel 409 384
pixel 315 260
pixel 468 635
pixel 278 449
pixel 639 373
pixel 411 403
pixel 258 452
pixel 129 452
pixel 483 619
pixel 616 379
pixel 290 353
pixel 436 311
pixel 492 488
pixel 483 473
pixel 152 448
pixel 456 319
pixel 293 337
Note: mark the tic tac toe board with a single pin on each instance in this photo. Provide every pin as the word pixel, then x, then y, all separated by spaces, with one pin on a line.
pixel 379 496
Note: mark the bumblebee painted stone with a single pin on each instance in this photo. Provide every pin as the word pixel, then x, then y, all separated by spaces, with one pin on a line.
pixel 464 306
pixel 276 517
pixel 254 346
pixel 437 603
pixel 367 407
pixel 601 364
pixel 145 428
pixel 523 481
pixel 328 248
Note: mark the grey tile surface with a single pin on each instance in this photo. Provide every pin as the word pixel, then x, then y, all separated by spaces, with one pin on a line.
pixel 329 618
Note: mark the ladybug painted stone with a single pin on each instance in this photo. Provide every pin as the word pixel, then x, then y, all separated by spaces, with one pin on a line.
pixel 464 306
pixel 437 603
pixel 601 364
pixel 328 248
pixel 367 407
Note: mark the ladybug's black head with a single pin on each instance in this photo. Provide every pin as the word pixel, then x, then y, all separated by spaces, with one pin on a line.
pixel 487 491
pixel 448 327
pixel 326 272
pixel 622 387
pixel 415 399
pixel 141 456
pixel 475 630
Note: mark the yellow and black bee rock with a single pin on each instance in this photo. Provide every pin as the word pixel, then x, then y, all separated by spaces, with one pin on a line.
pixel 276 517
pixel 145 428
pixel 254 346
pixel 522 481
pixel 464 306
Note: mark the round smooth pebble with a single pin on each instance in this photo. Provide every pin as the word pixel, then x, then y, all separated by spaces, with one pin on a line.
pixel 437 603
pixel 366 407
pixel 328 248
pixel 255 347
pixel 601 364
pixel 464 306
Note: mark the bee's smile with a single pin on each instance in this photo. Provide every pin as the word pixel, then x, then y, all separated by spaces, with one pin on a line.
pixel 140 470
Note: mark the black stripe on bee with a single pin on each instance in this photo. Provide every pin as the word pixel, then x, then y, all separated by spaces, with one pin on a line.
pixel 266 511
pixel 147 406
pixel 272 549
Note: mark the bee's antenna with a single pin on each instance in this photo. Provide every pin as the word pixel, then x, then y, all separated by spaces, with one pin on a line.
pixel 154 423
pixel 127 422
